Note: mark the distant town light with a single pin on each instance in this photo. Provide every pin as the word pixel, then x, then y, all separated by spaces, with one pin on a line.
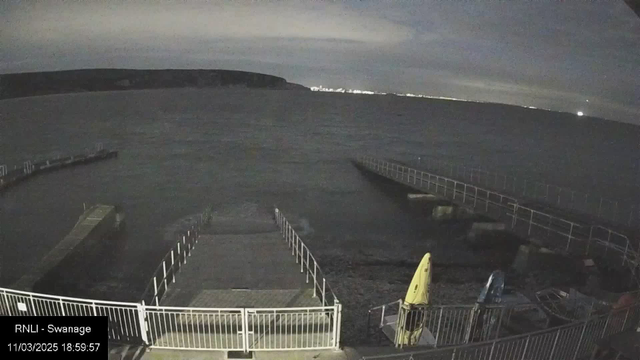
pixel 580 113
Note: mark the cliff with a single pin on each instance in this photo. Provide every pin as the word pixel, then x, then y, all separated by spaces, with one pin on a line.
pixel 71 81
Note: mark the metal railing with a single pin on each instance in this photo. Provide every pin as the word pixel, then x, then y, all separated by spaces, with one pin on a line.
pixel 473 197
pixel 243 329
pixel 555 231
pixel 574 238
pixel 32 167
pixel 616 211
pixel 191 328
pixel 572 341
pixel 125 322
pixel 447 325
pixel 172 262
pixel 306 260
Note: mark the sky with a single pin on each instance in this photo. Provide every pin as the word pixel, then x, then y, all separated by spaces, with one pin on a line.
pixel 548 54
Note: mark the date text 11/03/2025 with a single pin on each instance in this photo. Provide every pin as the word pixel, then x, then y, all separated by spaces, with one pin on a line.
pixel 45 335
pixel 51 347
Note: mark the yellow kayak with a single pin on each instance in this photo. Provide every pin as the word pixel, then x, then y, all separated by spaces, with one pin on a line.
pixel 417 294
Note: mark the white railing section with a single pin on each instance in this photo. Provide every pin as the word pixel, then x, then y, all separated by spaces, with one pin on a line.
pixel 187 328
pixel 125 322
pixel 243 329
pixel 474 197
pixel 39 164
pixel 571 342
pixel 449 324
pixel 557 232
pixel 165 273
pixel 620 212
pixel 570 237
pixel 306 260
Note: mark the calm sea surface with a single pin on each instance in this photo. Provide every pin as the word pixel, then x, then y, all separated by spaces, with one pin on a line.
pixel 182 150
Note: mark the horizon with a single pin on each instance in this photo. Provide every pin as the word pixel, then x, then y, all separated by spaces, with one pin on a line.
pixel 348 91
pixel 552 56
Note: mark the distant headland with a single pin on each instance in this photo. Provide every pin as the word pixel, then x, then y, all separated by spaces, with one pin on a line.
pixel 86 80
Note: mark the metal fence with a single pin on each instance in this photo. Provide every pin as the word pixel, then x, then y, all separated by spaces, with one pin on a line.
pixel 572 341
pixel 554 231
pixel 470 196
pixel 241 329
pixel 306 260
pixel 34 166
pixel 125 322
pixel 573 238
pixel 447 325
pixel 172 262
pixel 617 211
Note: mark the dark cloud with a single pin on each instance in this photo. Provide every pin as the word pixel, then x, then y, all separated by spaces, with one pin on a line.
pixel 545 54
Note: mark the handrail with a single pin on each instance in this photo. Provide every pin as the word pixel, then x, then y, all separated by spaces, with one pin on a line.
pixel 67 298
pixel 399 171
pixel 175 257
pixel 299 249
pixel 622 212
pixel 458 351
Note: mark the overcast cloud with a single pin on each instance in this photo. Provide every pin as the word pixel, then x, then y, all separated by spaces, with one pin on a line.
pixel 551 54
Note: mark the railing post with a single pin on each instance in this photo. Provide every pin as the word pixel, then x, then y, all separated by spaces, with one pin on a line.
pixel 324 294
pixel 455 186
pixel 606 324
pixel 308 266
pixel 555 342
pixel 475 196
pixel 245 330
pixel 62 307
pixel 438 329
pixel 164 272
pixel 570 236
pixel 530 222
pixel 172 262
pixel 315 279
pixel 33 307
pixel 575 355
pixel 142 323
pixel 6 302
pixel 526 345
pixel 184 249
pixel 155 290
pixel 493 344
pixel 589 241
pixel 464 194
pixel 624 323
pixel 93 306
pixel 337 315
